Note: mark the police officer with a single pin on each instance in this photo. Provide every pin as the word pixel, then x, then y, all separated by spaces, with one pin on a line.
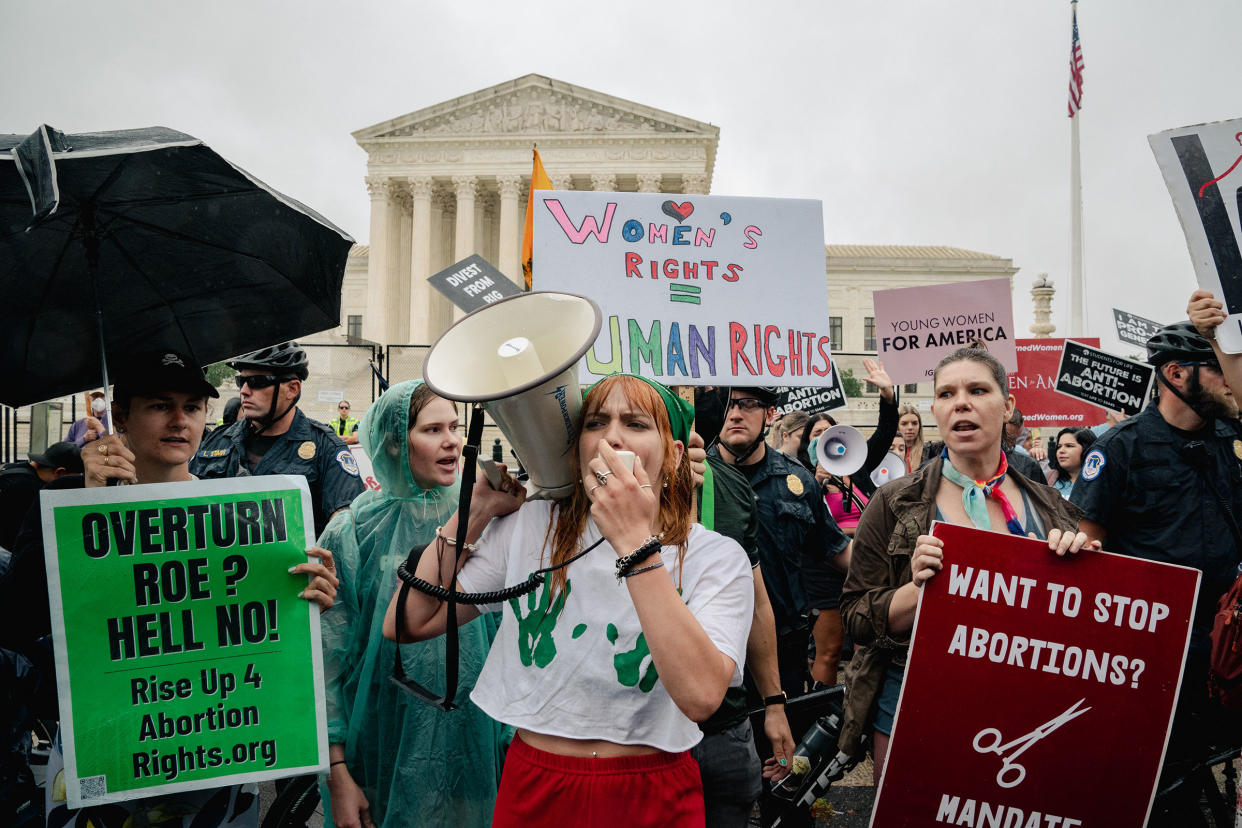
pixel 345 426
pixel 797 536
pixel 273 436
pixel 1152 487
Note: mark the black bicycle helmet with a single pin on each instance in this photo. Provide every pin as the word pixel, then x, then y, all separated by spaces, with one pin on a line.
pixel 286 358
pixel 1179 342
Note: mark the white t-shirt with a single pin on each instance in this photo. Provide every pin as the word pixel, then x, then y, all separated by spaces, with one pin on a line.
pixel 578 666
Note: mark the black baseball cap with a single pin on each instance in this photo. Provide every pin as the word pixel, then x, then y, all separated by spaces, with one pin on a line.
pixel 58 456
pixel 163 371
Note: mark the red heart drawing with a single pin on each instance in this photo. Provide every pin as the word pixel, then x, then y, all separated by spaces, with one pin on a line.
pixel 681 212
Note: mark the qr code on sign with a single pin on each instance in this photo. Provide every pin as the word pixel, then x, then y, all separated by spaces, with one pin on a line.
pixel 93 786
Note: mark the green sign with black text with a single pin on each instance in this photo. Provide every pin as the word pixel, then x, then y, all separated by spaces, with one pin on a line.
pixel 184 657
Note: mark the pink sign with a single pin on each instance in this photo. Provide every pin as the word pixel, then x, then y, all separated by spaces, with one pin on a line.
pixel 1039 690
pixel 915 327
pixel 1033 385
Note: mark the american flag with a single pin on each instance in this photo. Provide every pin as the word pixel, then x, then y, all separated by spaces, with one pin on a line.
pixel 1075 84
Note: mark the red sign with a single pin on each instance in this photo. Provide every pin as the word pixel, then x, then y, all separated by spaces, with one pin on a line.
pixel 1033 385
pixel 1039 690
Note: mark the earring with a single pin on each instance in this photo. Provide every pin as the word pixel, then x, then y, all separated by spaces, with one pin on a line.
pixel 665 486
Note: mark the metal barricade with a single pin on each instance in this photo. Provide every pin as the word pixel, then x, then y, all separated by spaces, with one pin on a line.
pixel 339 372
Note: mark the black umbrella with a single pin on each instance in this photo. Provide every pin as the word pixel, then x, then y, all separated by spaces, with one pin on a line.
pixel 123 242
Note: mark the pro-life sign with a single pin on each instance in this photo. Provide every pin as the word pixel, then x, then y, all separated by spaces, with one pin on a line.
pixel 916 326
pixel 1133 328
pixel 184 657
pixel 1055 663
pixel 472 283
pixel 812 400
pixel 1112 382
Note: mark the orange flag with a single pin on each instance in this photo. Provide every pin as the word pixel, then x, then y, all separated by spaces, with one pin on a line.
pixel 538 181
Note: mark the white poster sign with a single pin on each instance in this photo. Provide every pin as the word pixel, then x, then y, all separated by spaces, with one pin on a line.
pixel 695 289
pixel 1200 165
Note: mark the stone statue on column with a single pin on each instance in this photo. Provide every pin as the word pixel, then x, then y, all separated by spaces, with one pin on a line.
pixel 1042 292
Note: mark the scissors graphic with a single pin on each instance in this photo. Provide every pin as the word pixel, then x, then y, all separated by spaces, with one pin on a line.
pixel 1011 773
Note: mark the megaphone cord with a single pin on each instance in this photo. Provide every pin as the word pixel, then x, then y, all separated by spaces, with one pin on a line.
pixel 516 591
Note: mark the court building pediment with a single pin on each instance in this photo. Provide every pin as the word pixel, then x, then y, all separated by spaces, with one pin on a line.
pixel 534 105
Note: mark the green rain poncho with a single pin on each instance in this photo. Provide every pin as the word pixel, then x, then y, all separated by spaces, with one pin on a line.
pixel 416 764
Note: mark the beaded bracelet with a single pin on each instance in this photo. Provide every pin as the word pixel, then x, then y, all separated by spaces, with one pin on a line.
pixel 634 572
pixel 649 547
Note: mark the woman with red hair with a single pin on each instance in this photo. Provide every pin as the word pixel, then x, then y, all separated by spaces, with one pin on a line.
pixel 606 668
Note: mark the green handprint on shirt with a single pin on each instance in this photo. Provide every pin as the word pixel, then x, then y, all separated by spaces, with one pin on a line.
pixel 535 643
pixel 629 664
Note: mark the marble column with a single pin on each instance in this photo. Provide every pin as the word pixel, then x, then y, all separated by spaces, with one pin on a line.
pixel 510 240
pixel 649 182
pixel 604 182
pixel 465 187
pixel 444 216
pixel 397 302
pixel 374 321
pixel 420 260
pixel 562 181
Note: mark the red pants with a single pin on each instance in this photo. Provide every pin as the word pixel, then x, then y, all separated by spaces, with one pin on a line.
pixel 660 790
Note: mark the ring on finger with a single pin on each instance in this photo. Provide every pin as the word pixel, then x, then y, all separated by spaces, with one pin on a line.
pixel 103 449
pixel 644 485
pixel 592 489
pixel 602 477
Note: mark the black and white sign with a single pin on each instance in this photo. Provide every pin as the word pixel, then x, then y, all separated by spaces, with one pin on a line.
pixel 472 283
pixel 1134 329
pixel 1098 377
pixel 812 400
pixel 1202 166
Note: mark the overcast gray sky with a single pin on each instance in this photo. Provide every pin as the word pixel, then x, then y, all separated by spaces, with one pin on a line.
pixel 915 122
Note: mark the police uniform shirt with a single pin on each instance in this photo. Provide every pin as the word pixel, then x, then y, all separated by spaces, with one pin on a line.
pixel 1136 483
pixel 794 524
pixel 308 448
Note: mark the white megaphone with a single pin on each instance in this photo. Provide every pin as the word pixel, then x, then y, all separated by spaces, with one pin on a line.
pixel 520 356
pixel 890 468
pixel 841 450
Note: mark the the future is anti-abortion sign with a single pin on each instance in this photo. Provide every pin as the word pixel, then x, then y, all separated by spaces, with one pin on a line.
pixel 1034 387
pixel 695 289
pixel 1026 673
pixel 916 327
pixel 184 657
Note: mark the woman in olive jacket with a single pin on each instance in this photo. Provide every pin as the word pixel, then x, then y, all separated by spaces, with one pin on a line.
pixel 894 555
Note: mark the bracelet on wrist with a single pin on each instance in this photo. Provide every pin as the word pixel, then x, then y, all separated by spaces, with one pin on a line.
pixel 649 547
pixel 634 572
pixel 780 698
pixel 336 762
pixel 469 547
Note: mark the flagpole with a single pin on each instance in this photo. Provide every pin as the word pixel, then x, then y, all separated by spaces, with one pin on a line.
pixel 1078 305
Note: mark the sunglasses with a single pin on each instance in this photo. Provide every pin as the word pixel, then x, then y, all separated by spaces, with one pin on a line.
pixel 746 404
pixel 1212 365
pixel 342 408
pixel 258 382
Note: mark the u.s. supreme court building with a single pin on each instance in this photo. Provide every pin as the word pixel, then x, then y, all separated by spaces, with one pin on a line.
pixel 452 179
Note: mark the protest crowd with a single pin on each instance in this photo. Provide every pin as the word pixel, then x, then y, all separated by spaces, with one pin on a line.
pixel 743 565
pixel 707 614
